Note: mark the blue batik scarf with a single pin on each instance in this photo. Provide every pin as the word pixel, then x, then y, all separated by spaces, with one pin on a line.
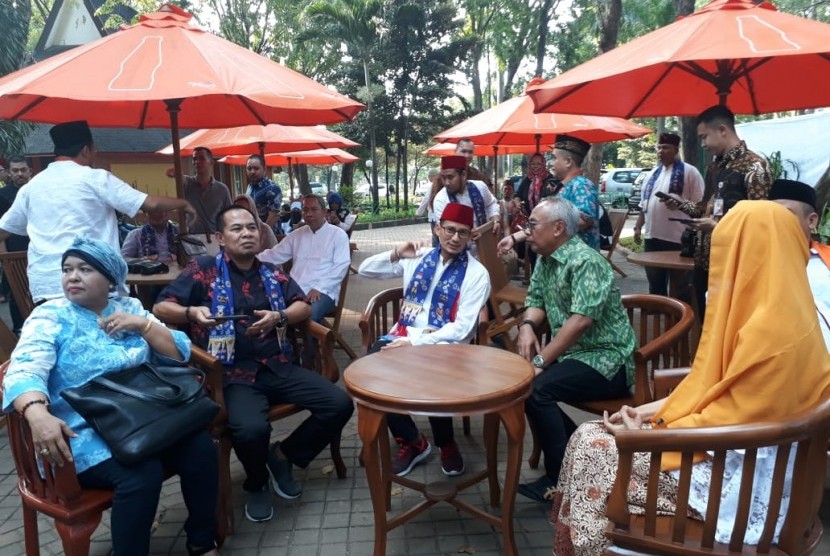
pixel 678 173
pixel 148 240
pixel 443 307
pixel 223 336
pixel 477 199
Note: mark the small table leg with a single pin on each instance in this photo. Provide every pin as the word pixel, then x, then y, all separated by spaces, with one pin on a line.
pixel 370 425
pixel 491 442
pixel 513 419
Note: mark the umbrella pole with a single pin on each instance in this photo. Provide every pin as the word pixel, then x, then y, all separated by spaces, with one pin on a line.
pixel 538 142
pixel 495 169
pixel 173 108
pixel 290 178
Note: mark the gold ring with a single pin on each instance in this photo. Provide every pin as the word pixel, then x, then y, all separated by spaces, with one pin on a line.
pixel 44 451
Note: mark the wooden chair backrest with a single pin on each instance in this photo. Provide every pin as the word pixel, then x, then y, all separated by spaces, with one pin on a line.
pixel 351 220
pixel 15 264
pixel 337 313
pixel 801 532
pixel 382 311
pixel 617 218
pixel 662 327
pixel 488 255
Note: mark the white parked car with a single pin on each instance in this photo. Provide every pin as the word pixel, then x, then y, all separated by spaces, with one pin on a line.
pixel 363 190
pixel 619 180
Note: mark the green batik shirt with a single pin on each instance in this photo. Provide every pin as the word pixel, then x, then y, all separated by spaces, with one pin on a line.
pixel 576 279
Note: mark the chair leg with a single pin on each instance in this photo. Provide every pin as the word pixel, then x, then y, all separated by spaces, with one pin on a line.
pixel 75 537
pixel 536 451
pixel 339 464
pixel 338 339
pixel 617 269
pixel 30 532
pixel 225 506
pixel 466 422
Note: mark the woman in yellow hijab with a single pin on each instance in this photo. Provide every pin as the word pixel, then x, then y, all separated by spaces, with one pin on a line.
pixel 761 357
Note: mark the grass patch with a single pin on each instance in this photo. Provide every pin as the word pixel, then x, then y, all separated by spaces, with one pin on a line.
pixel 631 245
pixel 385 215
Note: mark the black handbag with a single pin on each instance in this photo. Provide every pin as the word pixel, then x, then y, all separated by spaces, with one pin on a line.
pixel 141 411
pixel 147 268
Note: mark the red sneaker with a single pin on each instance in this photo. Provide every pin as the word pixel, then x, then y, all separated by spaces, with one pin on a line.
pixel 410 454
pixel 451 461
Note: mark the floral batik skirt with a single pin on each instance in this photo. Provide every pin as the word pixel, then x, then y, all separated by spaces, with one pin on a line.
pixel 588 473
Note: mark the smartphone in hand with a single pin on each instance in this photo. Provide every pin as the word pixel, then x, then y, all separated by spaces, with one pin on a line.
pixel 222 318
pixel 682 220
pixel 663 196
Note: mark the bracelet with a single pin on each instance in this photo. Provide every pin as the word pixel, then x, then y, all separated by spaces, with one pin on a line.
pixel 187 314
pixel 147 327
pixel 513 237
pixel 31 403
pixel 527 321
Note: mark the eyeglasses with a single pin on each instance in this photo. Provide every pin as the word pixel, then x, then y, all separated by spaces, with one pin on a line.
pixel 533 224
pixel 450 231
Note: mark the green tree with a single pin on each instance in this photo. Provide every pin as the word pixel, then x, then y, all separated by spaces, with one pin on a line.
pixel 356 24
pixel 15 15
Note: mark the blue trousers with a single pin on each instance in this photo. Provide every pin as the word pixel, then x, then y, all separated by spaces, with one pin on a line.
pixel 322 307
pixel 137 489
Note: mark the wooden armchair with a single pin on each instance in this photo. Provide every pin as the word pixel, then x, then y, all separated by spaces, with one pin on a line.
pixel 653 534
pixel 617 218
pixel 77 511
pixel 332 320
pixel 319 358
pixel 662 326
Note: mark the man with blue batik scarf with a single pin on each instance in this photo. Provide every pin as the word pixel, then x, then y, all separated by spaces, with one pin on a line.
pixel 568 154
pixel 266 194
pixel 444 291
pixel 472 193
pixel 256 356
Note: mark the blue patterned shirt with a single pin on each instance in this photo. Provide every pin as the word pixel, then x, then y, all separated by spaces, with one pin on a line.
pixel 585 196
pixel 267 195
pixel 62 346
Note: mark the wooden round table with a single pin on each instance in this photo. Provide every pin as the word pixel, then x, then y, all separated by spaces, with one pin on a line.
pixel 441 380
pixel 666 259
pixel 144 283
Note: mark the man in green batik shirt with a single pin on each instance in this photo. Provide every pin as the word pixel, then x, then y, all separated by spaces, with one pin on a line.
pixel 590 354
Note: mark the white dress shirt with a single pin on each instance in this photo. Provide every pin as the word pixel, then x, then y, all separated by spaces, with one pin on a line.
pixel 819 277
pixel 64 200
pixel 320 259
pixel 491 205
pixel 657 224
pixel 473 295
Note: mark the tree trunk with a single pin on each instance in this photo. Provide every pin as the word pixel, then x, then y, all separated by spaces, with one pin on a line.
pixel 541 44
pixel 372 142
pixel 608 17
pixel 302 179
pixel 688 127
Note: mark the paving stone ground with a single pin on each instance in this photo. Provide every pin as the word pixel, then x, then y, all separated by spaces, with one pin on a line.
pixel 334 517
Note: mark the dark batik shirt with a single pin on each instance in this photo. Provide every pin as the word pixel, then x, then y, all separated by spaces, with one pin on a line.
pixel 745 176
pixel 194 287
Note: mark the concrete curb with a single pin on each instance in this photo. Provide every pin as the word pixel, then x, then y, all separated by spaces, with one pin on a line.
pixel 389 223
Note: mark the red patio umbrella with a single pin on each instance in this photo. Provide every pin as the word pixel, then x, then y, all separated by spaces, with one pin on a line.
pixel 260 139
pixel 748 56
pixel 164 72
pixel 513 123
pixel 447 149
pixel 312 157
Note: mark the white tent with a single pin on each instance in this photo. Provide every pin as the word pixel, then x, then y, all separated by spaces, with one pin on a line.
pixel 804 140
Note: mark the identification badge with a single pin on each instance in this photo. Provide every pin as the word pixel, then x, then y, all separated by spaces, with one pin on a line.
pixel 717 207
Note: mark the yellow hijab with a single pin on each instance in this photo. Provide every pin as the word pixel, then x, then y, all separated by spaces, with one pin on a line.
pixel 761 356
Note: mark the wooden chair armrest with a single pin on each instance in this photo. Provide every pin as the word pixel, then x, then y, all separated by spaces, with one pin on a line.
pixel 731 437
pixel 367 319
pixel 666 380
pixel 665 341
pixel 324 338
pixel 214 371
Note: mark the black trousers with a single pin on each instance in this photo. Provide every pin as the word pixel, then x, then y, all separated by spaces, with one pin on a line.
pixel 566 381
pixel 404 428
pixel 658 278
pixel 701 282
pixel 137 489
pixel 248 406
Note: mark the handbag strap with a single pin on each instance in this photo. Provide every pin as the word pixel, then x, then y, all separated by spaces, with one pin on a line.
pixel 179 397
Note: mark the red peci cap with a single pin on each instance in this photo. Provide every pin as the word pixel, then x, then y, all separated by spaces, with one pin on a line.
pixel 453 162
pixel 456 212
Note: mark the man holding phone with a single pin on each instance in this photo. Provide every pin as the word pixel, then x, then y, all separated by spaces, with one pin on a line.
pixel 658 222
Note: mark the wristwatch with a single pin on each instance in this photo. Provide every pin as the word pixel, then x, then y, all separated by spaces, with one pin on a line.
pixel 538 361
pixel 283 318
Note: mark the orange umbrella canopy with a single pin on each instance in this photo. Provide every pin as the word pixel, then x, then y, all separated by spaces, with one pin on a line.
pixel 312 157
pixel 448 149
pixel 748 56
pixel 513 123
pixel 256 139
pixel 131 77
